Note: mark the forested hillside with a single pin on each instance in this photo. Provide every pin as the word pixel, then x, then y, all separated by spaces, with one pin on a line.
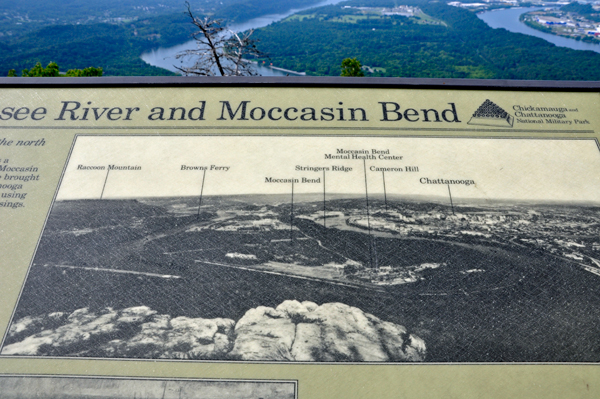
pixel 462 47
pixel 111 34
pixel 115 48
pixel 20 17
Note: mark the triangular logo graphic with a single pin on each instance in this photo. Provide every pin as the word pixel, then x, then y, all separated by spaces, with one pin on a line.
pixel 489 114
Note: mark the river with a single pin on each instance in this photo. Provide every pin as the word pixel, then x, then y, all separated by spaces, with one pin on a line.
pixel 164 57
pixel 509 20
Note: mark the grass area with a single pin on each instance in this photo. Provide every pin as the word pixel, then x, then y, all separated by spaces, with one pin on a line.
pixel 475 72
pixel 350 18
pixel 422 18
pixel 299 17
pixel 363 15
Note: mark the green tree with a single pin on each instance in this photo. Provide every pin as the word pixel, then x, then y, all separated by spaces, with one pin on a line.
pixel 52 70
pixel 86 72
pixel 38 71
pixel 352 67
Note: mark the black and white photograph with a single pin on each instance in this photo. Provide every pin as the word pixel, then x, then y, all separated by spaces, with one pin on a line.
pixel 316 249
pixel 67 387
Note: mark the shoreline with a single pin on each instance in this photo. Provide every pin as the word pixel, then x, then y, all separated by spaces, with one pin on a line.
pixel 544 29
pixel 280 69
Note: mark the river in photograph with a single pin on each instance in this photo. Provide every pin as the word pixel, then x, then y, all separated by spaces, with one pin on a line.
pixel 509 20
pixel 164 57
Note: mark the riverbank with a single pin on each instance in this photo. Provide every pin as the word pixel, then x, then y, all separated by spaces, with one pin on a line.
pixel 567 25
pixel 286 71
pixel 509 19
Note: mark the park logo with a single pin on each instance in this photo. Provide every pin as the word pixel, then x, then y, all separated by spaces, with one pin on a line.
pixel 489 114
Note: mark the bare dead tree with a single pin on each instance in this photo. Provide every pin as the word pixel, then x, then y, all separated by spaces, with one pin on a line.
pixel 219 51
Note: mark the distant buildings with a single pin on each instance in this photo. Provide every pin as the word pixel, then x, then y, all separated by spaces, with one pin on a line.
pixel 562 23
pixel 551 21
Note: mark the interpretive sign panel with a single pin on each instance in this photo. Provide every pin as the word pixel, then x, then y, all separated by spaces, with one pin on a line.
pixel 372 235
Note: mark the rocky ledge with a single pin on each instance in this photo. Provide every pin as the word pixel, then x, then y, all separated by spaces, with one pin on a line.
pixel 293 331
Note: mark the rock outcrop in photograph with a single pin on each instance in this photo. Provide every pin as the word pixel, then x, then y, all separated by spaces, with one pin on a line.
pixel 293 331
